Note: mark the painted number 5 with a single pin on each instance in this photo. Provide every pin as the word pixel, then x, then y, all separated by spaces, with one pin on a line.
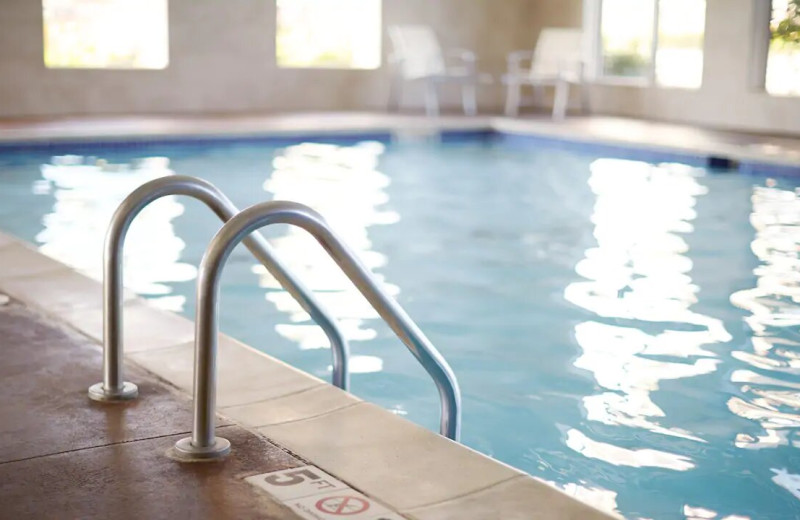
pixel 291 478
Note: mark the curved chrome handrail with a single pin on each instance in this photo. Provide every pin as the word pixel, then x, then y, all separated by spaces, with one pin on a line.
pixel 203 444
pixel 113 388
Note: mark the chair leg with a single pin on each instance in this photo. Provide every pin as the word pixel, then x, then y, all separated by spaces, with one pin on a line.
pixel 538 96
pixel 395 94
pixel 513 98
pixel 469 99
pixel 585 104
pixel 561 99
pixel 431 99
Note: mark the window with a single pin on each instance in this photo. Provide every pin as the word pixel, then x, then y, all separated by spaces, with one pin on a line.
pixel 626 45
pixel 343 34
pixel 106 34
pixel 681 30
pixel 657 41
pixel 783 61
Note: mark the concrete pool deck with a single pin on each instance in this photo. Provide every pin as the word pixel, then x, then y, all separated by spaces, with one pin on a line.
pixel 64 456
pixel 62 452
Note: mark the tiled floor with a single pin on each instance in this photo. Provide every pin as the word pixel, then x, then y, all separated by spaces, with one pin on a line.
pixel 64 456
pixel 629 132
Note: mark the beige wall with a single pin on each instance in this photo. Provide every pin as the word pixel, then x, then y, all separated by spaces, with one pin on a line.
pixel 727 98
pixel 222 59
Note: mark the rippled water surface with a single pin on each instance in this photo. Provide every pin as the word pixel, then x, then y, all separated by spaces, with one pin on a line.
pixel 626 331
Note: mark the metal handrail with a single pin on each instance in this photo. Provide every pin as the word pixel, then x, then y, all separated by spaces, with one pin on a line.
pixel 203 444
pixel 113 387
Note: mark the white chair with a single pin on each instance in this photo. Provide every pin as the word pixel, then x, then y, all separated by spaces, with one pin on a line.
pixel 417 56
pixel 556 61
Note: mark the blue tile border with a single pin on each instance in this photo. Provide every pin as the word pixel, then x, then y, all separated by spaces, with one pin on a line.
pixel 762 169
pixel 75 145
pixel 456 136
pixel 596 148
pixel 652 154
pixel 88 146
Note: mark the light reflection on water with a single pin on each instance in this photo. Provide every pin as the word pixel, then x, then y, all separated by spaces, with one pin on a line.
pixel 702 513
pixel 87 191
pixel 639 272
pixel 769 389
pixel 344 185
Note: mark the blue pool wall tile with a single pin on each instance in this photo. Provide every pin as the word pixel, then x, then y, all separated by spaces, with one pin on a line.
pixel 604 149
pixel 83 146
pixel 655 155
pixel 457 136
pixel 79 145
pixel 769 170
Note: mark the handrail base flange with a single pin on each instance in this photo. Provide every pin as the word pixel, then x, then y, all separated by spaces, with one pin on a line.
pixel 128 392
pixel 185 451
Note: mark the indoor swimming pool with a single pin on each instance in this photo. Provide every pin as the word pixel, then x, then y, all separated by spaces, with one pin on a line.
pixel 624 330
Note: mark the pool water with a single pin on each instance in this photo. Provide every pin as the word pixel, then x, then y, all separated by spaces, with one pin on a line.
pixel 625 330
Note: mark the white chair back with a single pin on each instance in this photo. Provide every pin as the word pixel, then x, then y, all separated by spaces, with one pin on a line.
pixel 417 51
pixel 559 52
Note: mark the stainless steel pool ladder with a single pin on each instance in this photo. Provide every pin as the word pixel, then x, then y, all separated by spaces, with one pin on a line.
pixel 242 227
pixel 114 387
pixel 203 444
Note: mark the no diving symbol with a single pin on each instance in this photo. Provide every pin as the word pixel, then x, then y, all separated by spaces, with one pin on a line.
pixel 342 505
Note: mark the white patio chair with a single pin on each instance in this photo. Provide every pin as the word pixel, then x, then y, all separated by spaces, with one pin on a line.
pixel 417 56
pixel 556 61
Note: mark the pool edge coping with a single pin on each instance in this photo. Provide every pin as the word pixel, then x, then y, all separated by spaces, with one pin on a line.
pixel 272 412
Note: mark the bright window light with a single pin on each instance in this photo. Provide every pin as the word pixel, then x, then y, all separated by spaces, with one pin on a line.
pixel 106 34
pixel 679 55
pixel 783 62
pixel 342 34
pixel 630 47
pixel 627 37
